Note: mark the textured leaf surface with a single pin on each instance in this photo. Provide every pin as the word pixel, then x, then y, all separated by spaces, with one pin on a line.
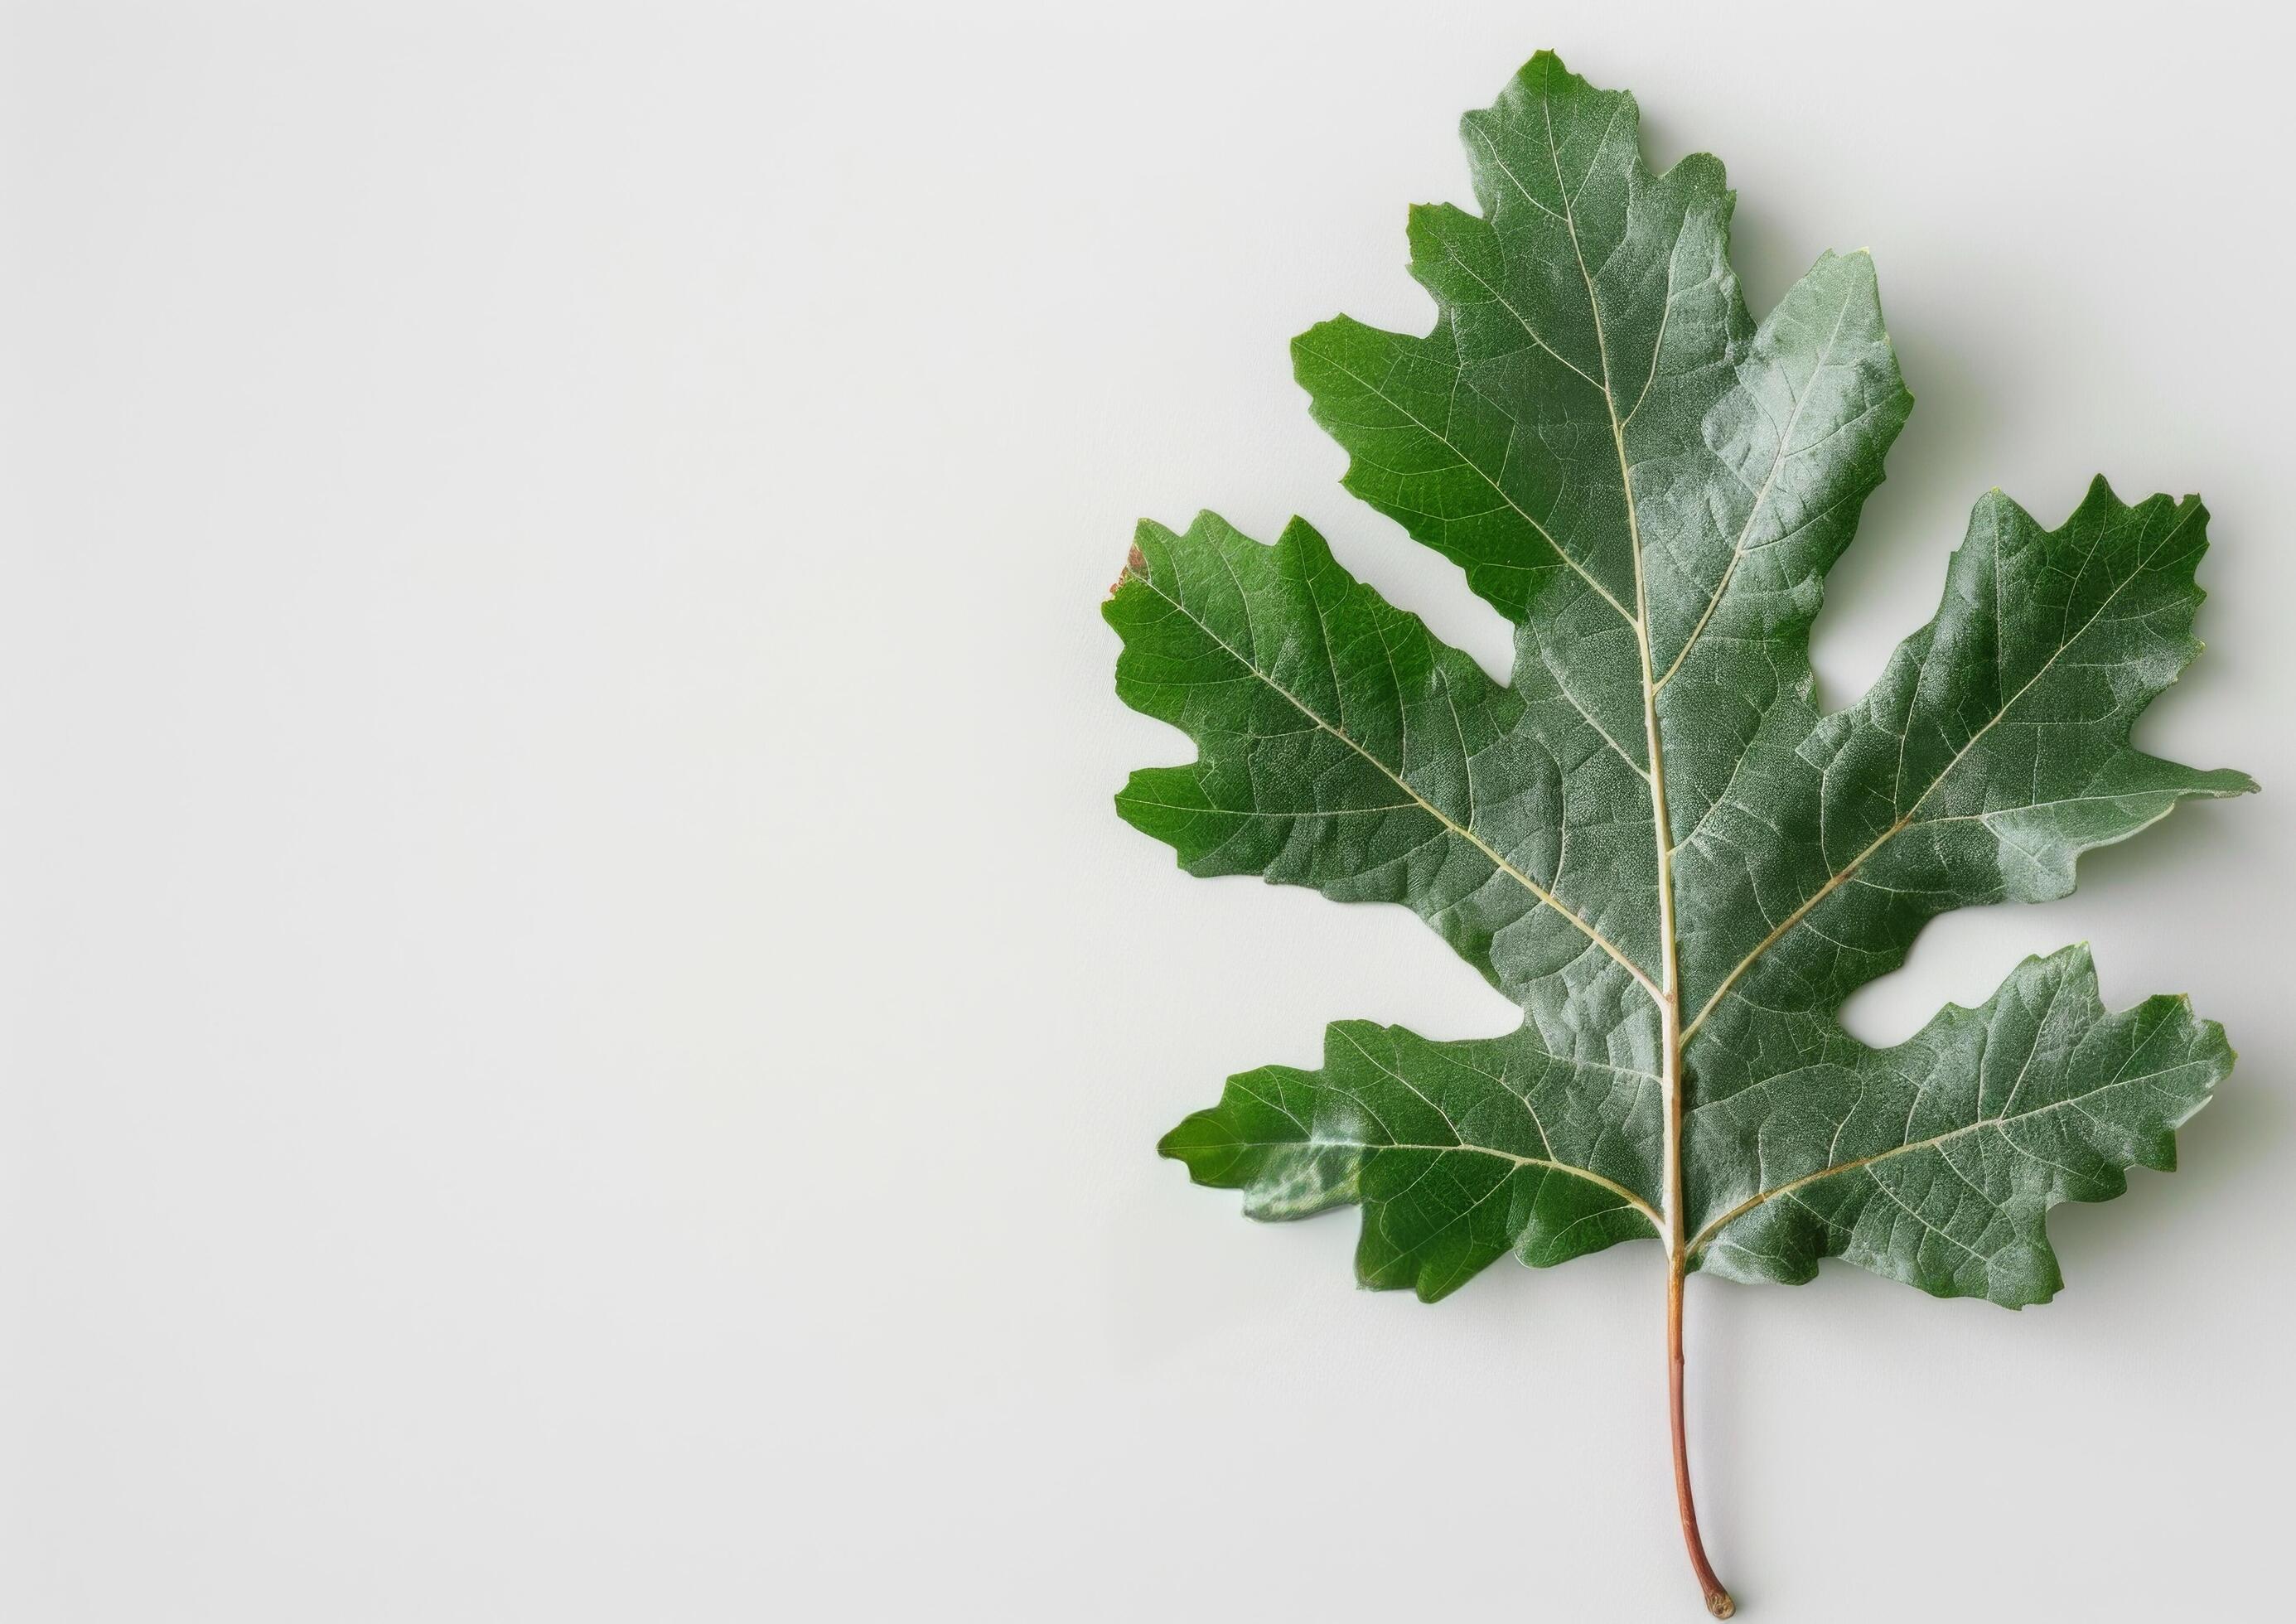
pixel 1460 1152
pixel 1933 1162
pixel 1649 839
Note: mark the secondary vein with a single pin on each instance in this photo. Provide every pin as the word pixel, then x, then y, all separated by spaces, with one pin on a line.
pixel 2072 1102
pixel 1433 810
pixel 1906 819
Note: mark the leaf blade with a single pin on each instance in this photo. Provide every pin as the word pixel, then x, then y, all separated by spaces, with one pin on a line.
pixel 1945 1152
pixel 1458 1153
pixel 1653 488
pixel 1302 685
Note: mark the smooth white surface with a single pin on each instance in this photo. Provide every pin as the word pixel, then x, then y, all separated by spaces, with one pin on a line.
pixel 578 1040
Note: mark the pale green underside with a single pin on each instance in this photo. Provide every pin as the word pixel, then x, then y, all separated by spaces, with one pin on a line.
pixel 1651 488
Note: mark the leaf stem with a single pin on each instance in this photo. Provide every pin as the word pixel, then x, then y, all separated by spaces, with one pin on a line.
pixel 1717 1599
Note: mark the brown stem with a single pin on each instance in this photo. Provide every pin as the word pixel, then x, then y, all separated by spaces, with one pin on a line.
pixel 1717 1599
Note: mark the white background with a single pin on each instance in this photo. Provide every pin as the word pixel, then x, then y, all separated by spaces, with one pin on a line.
pixel 579 1038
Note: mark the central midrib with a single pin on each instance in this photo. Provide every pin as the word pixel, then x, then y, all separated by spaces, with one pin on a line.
pixel 1667 994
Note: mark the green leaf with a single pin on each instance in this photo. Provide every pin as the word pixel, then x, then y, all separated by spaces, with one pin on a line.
pixel 1651 840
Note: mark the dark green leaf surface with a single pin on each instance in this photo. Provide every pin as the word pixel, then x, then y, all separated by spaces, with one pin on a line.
pixel 1649 839
pixel 1460 1152
pixel 1933 1162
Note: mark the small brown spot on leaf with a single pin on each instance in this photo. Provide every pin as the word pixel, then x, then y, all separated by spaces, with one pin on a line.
pixel 1135 563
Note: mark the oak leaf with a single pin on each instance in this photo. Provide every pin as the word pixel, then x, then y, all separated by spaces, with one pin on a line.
pixel 1652 841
